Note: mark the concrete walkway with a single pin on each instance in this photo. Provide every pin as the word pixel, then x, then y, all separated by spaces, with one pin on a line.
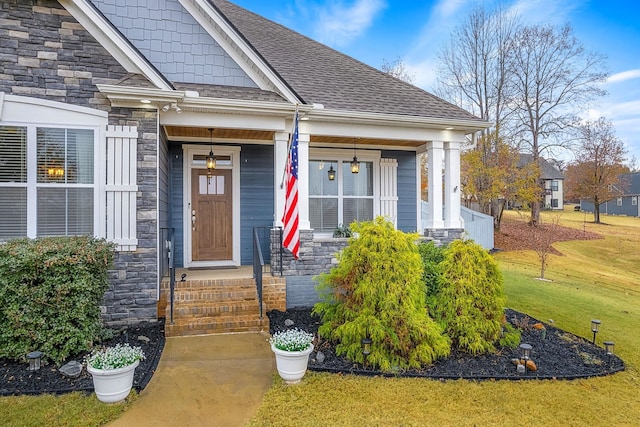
pixel 215 380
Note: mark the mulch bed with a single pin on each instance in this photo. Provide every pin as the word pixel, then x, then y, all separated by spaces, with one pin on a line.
pixel 16 379
pixel 557 354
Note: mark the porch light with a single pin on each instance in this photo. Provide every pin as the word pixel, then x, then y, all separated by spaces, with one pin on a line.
pixel 211 160
pixel 331 173
pixel 525 351
pixel 355 164
pixel 595 327
pixel 34 360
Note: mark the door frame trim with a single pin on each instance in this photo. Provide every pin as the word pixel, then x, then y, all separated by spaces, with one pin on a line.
pixel 189 151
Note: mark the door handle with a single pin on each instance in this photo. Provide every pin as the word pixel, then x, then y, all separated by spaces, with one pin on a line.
pixel 193 220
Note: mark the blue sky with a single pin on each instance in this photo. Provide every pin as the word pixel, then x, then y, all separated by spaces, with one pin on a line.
pixel 374 31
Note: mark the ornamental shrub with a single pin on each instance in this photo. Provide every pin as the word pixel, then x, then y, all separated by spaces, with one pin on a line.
pixel 470 299
pixel 432 256
pixel 376 291
pixel 50 294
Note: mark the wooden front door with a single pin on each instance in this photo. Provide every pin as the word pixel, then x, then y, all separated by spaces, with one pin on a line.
pixel 211 215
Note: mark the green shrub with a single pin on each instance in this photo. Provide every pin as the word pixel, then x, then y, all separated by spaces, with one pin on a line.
pixel 50 293
pixel 432 256
pixel 376 291
pixel 470 300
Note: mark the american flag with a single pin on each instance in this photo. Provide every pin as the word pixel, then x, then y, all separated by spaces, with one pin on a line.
pixel 290 220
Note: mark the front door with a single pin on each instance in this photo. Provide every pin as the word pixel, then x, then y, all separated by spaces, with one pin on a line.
pixel 211 215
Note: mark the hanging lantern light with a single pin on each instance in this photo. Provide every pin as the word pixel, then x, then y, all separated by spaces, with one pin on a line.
pixel 211 160
pixel 355 164
pixel 331 173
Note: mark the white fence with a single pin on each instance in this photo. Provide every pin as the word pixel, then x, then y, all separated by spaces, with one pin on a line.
pixel 477 226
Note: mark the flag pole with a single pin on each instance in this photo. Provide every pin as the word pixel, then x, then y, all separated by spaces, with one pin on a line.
pixel 293 129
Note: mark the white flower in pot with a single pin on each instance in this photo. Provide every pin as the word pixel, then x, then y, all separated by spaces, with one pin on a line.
pixel 112 370
pixel 292 348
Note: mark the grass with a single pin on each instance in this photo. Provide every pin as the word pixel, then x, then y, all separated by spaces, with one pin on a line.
pixel 593 279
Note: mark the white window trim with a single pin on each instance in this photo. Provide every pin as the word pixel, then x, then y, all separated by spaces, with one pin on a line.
pixel 189 152
pixel 17 110
pixel 373 156
pixel 618 201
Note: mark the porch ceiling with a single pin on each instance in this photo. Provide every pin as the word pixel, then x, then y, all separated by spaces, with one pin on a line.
pixel 200 134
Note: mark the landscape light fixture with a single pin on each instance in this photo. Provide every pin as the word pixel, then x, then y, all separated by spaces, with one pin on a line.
pixel 595 327
pixel 366 346
pixel 608 346
pixel 34 360
pixel 331 173
pixel 211 160
pixel 525 351
pixel 355 164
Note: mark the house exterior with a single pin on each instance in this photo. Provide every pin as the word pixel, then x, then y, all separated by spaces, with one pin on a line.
pixel 110 108
pixel 553 182
pixel 624 199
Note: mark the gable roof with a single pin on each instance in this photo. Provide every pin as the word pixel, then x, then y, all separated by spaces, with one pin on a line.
pixel 321 75
pixel 547 170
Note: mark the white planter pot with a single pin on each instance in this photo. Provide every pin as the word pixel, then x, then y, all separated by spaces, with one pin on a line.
pixel 292 365
pixel 112 385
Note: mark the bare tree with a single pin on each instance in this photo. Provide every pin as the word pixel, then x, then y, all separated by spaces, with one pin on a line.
pixel 473 71
pixel 398 70
pixel 543 238
pixel 594 176
pixel 554 77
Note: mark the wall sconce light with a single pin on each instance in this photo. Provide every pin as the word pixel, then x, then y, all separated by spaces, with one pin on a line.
pixel 525 350
pixel 34 360
pixel 355 164
pixel 595 327
pixel 331 173
pixel 211 160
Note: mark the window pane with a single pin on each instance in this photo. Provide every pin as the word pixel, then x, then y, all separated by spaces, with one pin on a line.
pixel 358 184
pixel 323 214
pixel 357 210
pixel 13 212
pixel 65 211
pixel 65 156
pixel 319 184
pixel 13 154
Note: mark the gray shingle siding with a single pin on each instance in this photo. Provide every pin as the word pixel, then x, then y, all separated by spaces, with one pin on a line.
pixel 171 39
pixel 256 194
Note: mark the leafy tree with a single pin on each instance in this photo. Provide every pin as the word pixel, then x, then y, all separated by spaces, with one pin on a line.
pixel 553 77
pixel 599 162
pixel 376 291
pixel 470 301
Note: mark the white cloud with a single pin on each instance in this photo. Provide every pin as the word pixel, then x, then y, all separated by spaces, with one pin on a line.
pixel 624 76
pixel 555 12
pixel 340 23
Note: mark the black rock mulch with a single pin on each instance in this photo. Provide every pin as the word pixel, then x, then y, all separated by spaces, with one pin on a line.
pixel 16 379
pixel 556 353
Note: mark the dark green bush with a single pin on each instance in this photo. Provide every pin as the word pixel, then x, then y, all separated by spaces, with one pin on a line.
pixel 432 256
pixel 470 300
pixel 376 291
pixel 50 294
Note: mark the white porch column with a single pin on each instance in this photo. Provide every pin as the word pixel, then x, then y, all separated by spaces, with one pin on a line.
pixel 452 185
pixel 434 173
pixel 303 180
pixel 281 140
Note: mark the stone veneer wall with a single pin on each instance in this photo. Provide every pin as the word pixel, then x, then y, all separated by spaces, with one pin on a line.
pixel 45 53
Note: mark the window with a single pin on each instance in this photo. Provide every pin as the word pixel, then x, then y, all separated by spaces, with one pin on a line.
pixel 348 198
pixel 634 201
pixel 554 203
pixel 619 201
pixel 47 178
pixel 554 185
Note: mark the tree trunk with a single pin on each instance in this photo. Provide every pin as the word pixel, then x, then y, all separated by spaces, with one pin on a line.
pixel 596 213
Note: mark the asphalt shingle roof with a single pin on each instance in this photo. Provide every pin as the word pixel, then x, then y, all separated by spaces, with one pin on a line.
pixel 319 74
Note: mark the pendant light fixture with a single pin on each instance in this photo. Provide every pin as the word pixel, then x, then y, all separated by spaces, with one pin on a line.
pixel 331 173
pixel 211 160
pixel 355 164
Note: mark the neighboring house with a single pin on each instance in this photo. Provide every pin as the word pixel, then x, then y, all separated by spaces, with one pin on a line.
pixel 110 108
pixel 553 182
pixel 624 200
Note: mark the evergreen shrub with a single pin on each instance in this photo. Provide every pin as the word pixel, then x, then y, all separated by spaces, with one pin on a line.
pixel 432 256
pixel 50 294
pixel 470 299
pixel 376 291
